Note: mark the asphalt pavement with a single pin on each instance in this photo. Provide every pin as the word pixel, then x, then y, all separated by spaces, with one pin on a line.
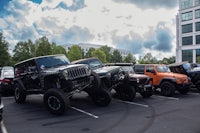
pixel 157 114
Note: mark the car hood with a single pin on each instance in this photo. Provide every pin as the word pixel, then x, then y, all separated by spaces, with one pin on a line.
pixel 61 68
pixel 106 69
pixel 137 75
pixel 171 74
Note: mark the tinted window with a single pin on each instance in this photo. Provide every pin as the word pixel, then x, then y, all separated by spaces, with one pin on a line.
pixel 187 28
pixel 149 69
pixel 162 68
pixel 139 69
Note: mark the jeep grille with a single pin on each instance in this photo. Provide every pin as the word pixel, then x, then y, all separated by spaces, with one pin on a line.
pixel 74 73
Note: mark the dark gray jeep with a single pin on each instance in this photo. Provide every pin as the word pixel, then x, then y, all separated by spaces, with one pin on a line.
pixel 58 80
pixel 188 69
pixel 112 77
pixel 141 82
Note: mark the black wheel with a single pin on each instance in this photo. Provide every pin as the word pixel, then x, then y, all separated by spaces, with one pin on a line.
pixel 146 94
pixel 184 91
pixel 101 97
pixel 55 101
pixel 167 89
pixel 127 92
pixel 20 94
pixel 198 85
pixel 97 81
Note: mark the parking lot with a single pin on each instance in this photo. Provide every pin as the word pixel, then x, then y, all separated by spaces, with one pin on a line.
pixel 179 114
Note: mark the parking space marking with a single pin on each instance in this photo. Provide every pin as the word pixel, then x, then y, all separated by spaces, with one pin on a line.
pixel 11 97
pixel 3 128
pixel 84 112
pixel 133 103
pixel 171 98
pixel 196 94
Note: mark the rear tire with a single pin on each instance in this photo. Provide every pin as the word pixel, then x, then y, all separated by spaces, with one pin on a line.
pixel 146 94
pixel 126 92
pixel 20 94
pixel 55 101
pixel 167 89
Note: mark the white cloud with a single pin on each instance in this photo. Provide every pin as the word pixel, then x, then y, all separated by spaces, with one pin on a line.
pixel 101 20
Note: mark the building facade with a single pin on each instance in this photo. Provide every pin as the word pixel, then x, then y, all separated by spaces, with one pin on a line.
pixel 188 31
pixel 87 46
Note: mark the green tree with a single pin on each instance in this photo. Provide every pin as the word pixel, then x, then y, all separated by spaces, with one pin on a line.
pixel 130 59
pixel 99 54
pixel 74 53
pixel 116 56
pixel 43 47
pixel 107 51
pixel 4 54
pixel 89 53
pixel 148 59
pixel 23 51
pixel 58 49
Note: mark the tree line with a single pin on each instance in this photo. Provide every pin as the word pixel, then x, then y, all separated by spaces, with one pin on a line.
pixel 28 49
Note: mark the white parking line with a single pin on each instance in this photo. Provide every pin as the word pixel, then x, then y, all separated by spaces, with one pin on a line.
pixel 82 111
pixel 172 98
pixel 3 128
pixel 196 94
pixel 133 103
pixel 11 97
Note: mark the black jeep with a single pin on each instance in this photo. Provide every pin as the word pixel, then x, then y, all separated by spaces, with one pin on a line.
pixel 141 82
pixel 112 77
pixel 58 80
pixel 188 69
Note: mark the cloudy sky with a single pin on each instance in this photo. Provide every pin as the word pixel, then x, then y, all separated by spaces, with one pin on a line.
pixel 140 26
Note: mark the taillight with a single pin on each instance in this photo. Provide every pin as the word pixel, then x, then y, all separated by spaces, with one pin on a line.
pixel 5 81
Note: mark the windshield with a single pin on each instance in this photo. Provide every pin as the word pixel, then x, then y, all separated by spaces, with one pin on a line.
pixel 129 69
pixel 94 63
pixel 162 68
pixel 52 61
pixel 187 67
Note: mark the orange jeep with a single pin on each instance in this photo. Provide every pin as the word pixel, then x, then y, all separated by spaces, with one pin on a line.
pixel 167 81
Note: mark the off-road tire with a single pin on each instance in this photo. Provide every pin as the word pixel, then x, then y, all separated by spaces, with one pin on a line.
pixel 20 94
pixel 167 89
pixel 126 92
pixel 101 97
pixel 184 91
pixel 146 94
pixel 198 85
pixel 55 101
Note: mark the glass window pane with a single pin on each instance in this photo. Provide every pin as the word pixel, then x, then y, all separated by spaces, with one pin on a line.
pixel 197 2
pixel 198 39
pixel 187 55
pixel 197 13
pixel 187 40
pixel 197 26
pixel 187 28
pixel 186 16
pixel 197 55
pixel 186 4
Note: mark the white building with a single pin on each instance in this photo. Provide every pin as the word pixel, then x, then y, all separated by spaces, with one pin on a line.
pixel 188 31
pixel 87 46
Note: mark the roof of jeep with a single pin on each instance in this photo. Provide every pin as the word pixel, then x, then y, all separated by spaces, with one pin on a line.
pixel 119 64
pixel 177 64
pixel 37 58
pixel 148 64
pixel 77 61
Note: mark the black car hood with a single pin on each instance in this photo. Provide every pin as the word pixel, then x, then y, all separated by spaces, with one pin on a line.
pixel 106 69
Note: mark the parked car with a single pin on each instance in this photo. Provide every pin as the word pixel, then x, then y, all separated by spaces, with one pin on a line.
pixel 141 82
pixel 6 79
pixel 58 80
pixel 189 70
pixel 164 79
pixel 1 109
pixel 112 77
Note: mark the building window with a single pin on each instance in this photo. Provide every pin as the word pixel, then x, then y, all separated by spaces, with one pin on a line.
pixel 187 55
pixel 197 2
pixel 197 39
pixel 197 13
pixel 186 16
pixel 186 4
pixel 197 26
pixel 197 55
pixel 187 28
pixel 187 40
